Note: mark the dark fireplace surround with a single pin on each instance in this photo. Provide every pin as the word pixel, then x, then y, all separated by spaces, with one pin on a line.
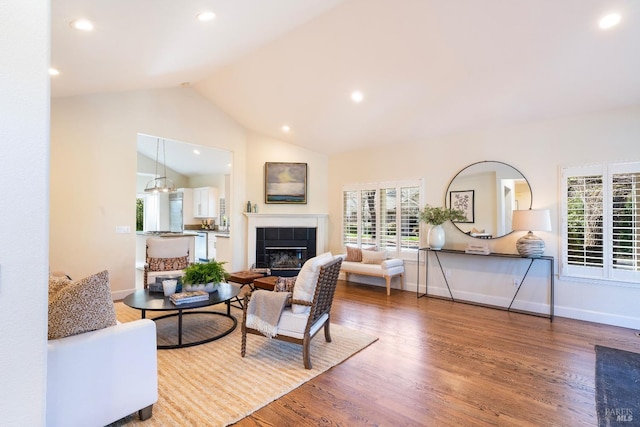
pixel 284 249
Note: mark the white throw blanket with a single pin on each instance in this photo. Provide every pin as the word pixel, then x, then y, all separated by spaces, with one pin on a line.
pixel 264 310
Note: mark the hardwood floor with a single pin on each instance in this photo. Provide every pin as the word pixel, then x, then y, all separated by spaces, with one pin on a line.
pixel 439 363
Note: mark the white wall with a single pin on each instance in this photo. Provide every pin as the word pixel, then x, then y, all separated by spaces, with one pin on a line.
pixel 93 172
pixel 24 210
pixel 537 150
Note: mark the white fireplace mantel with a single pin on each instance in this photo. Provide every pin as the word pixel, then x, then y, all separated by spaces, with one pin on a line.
pixel 263 220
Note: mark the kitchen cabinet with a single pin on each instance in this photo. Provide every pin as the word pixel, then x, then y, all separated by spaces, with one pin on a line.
pixel 211 246
pixel 223 249
pixel 205 201
pixel 187 206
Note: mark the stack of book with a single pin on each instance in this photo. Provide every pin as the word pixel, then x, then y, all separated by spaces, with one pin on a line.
pixel 189 297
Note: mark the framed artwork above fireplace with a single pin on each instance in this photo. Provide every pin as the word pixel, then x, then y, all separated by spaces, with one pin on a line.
pixel 285 183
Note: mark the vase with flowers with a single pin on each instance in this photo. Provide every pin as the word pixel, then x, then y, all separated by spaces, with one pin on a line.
pixel 436 216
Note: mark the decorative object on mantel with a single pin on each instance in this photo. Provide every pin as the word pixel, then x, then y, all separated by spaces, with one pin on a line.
pixel 160 184
pixel 285 183
pixel 530 245
pixel 436 216
pixel 204 276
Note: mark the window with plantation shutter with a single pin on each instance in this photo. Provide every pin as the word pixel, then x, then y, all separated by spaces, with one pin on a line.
pixel 388 219
pixel 625 223
pixel 368 217
pixel 350 217
pixel 410 218
pixel 383 214
pixel 601 222
pixel 584 219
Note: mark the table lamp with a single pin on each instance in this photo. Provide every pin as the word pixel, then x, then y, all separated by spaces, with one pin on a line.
pixel 530 245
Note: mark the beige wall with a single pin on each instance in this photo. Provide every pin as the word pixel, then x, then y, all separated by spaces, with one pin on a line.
pixel 93 171
pixel 24 210
pixel 261 149
pixel 537 150
pixel 93 174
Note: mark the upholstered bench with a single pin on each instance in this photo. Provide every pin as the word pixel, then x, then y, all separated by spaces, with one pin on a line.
pixel 385 268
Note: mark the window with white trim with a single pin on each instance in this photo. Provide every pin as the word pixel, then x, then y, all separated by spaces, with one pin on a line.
pixel 601 222
pixel 385 214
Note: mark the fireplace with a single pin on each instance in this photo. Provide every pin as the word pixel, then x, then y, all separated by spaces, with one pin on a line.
pixel 272 221
pixel 284 249
pixel 285 258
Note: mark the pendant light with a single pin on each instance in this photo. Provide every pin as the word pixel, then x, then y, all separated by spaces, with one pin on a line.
pixel 160 184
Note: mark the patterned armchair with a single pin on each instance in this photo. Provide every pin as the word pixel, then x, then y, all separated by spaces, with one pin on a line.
pixel 165 256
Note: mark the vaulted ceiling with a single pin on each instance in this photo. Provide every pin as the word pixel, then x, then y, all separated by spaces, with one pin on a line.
pixel 425 67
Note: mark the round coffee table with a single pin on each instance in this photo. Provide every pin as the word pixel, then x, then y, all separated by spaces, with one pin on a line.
pixel 155 301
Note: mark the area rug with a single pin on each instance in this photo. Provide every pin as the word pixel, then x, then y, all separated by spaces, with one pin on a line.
pixel 211 385
pixel 617 387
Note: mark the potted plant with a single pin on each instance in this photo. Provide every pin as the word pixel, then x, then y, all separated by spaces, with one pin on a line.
pixel 436 216
pixel 204 276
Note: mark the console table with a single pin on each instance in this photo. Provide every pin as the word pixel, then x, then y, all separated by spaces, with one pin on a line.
pixel 437 253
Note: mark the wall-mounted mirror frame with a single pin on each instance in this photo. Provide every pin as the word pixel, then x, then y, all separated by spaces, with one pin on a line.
pixel 488 191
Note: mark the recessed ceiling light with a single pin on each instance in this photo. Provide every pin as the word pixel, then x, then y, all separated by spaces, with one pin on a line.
pixel 609 21
pixel 285 128
pixel 206 15
pixel 357 96
pixel 197 152
pixel 82 24
pixel 53 72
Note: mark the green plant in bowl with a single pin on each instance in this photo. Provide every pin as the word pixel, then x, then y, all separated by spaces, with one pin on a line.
pixel 206 273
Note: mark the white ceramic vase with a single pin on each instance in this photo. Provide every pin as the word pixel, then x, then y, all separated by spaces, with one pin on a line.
pixel 169 287
pixel 435 237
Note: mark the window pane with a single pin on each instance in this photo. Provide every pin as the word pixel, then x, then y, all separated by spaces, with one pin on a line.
pixel 350 217
pixel 626 222
pixel 140 214
pixel 368 218
pixel 410 218
pixel 584 221
pixel 388 210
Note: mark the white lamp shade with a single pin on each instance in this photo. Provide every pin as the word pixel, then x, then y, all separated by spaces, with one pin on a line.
pixel 531 220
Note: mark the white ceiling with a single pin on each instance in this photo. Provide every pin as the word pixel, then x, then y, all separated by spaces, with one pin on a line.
pixel 426 67
pixel 180 156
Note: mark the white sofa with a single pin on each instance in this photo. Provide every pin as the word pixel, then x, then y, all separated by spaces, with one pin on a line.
pixel 387 269
pixel 98 377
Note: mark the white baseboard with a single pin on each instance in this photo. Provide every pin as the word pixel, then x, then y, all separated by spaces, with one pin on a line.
pixel 599 317
pixel 530 306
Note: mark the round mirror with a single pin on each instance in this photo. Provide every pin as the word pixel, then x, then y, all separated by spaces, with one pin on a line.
pixel 487 192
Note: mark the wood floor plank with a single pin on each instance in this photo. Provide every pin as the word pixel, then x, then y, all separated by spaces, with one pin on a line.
pixel 442 363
